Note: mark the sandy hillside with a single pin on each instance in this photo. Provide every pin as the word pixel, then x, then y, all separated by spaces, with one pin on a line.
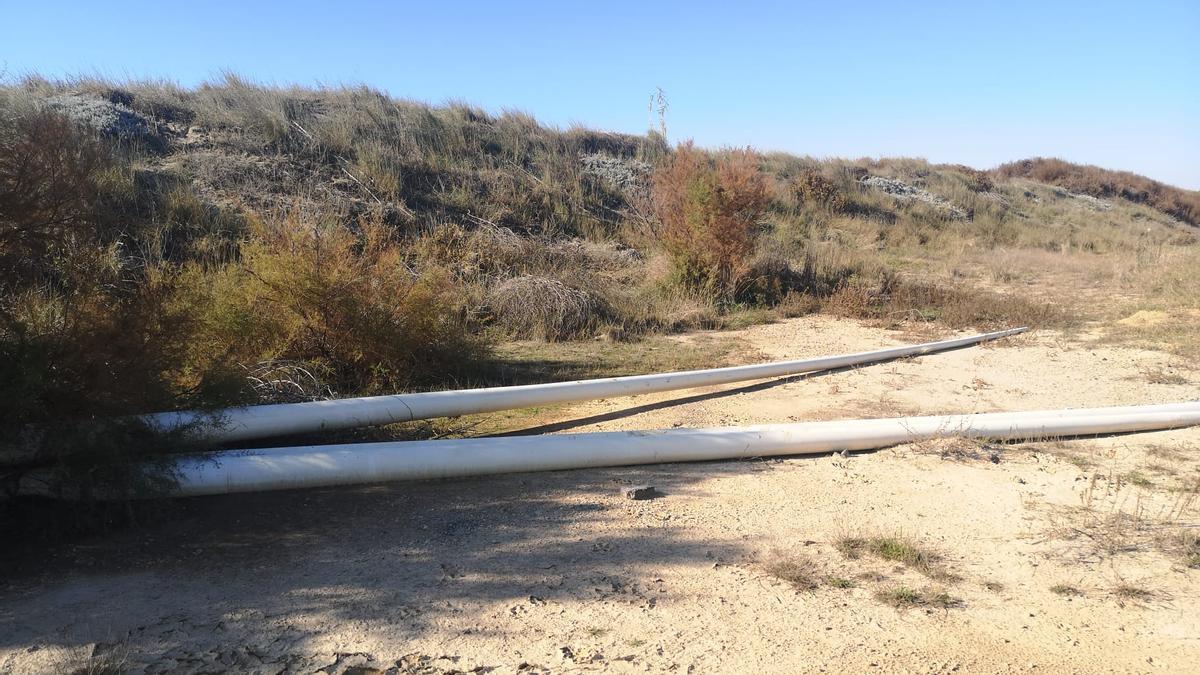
pixel 1064 557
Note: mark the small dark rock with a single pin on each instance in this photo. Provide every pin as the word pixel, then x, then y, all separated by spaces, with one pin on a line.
pixel 641 492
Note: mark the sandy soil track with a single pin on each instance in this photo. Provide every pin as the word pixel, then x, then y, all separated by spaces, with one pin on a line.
pixel 558 572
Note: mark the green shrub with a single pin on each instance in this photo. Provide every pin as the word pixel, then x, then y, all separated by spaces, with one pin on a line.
pixel 346 302
pixel 91 328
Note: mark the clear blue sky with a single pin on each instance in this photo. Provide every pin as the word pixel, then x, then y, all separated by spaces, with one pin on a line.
pixel 1115 84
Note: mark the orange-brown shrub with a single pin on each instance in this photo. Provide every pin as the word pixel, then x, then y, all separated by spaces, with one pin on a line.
pixel 709 208
pixel 1098 182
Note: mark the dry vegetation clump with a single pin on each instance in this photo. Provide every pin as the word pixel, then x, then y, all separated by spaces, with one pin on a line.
pixel 1066 590
pixel 904 597
pixel 799 571
pixel 812 187
pixel 537 307
pixel 1132 592
pixel 895 300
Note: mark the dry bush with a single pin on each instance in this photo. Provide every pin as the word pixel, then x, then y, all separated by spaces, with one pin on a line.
pixel 52 192
pixel 709 210
pixel 811 186
pixel 539 307
pixel 313 291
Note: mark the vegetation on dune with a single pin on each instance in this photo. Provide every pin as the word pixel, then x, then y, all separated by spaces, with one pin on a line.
pixel 1098 182
pixel 163 248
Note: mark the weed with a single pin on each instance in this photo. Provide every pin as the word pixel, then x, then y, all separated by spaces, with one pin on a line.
pixel 1164 376
pixel 1132 592
pixel 902 597
pixel 1138 479
pixel 896 549
pixel 799 571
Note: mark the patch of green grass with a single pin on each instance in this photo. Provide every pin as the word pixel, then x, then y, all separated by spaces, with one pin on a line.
pixel 902 597
pixel 896 549
pixel 839 582
pixel 1065 590
pixel 1138 479
pixel 1189 544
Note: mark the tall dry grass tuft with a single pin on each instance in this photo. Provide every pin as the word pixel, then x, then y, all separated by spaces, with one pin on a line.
pixel 539 307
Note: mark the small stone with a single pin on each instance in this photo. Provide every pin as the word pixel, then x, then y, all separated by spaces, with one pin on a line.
pixel 641 492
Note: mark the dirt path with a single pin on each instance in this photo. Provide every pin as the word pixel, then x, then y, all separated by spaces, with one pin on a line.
pixel 558 572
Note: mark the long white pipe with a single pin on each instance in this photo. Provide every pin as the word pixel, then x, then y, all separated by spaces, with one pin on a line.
pixel 280 419
pixel 314 466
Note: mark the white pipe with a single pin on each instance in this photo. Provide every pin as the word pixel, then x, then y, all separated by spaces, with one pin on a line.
pixel 314 466
pixel 280 419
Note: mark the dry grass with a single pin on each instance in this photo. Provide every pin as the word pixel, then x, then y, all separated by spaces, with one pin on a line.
pixel 799 571
pixel 1161 375
pixel 537 307
pixel 95 659
pixel 1066 590
pixel 1121 513
pixel 1187 544
pixel 904 597
pixel 1132 592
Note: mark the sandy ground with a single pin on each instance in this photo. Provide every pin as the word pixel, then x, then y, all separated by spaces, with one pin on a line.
pixel 558 572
